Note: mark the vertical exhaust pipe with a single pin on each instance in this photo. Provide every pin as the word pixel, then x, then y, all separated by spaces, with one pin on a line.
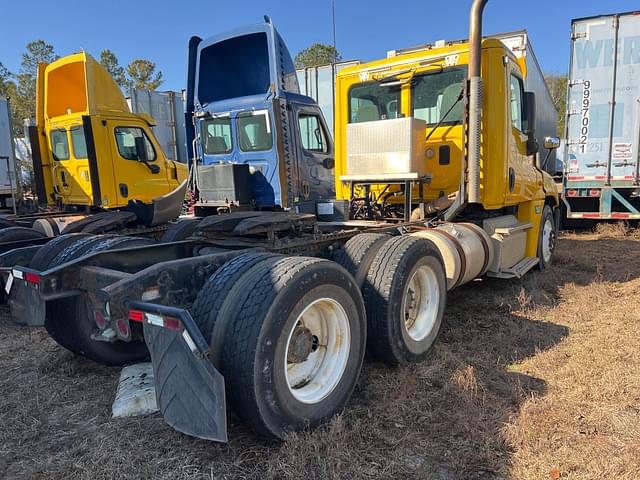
pixel 475 99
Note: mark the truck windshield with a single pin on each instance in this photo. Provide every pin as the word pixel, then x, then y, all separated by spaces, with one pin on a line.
pixel 372 101
pixel 254 133
pixel 216 134
pixel 433 94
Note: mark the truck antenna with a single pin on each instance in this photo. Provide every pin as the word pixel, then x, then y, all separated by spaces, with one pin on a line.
pixel 333 20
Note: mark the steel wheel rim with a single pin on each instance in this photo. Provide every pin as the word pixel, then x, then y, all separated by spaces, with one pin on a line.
pixel 313 379
pixel 421 303
pixel 547 240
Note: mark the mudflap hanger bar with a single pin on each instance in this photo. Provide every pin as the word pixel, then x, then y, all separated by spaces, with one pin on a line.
pixel 155 314
pixel 189 389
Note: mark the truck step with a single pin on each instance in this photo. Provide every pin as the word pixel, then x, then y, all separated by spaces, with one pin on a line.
pixel 518 270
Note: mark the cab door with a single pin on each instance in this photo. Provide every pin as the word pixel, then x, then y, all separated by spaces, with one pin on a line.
pixel 314 172
pixel 520 184
pixel 139 167
pixel 71 175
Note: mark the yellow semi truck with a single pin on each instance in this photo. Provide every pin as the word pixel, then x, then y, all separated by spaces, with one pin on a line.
pixel 92 154
pixel 327 251
pixel 489 175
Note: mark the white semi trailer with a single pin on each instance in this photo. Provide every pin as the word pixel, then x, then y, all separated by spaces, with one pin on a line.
pixel 7 154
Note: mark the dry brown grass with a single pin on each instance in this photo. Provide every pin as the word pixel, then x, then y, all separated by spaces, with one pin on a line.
pixel 531 379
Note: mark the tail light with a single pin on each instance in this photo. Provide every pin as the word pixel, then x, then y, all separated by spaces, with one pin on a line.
pixel 159 320
pixel 572 192
pixel 32 278
pixel 136 316
pixel 594 192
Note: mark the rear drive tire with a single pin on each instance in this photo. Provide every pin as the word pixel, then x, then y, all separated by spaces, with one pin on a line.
pixel 76 249
pixel 293 351
pixel 213 307
pixel 405 296
pixel 70 322
pixel 6 223
pixel 15 234
pixel 357 254
pixel 547 238
pixel 181 230
pixel 44 257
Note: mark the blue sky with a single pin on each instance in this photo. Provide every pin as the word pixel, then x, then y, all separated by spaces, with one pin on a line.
pixel 366 29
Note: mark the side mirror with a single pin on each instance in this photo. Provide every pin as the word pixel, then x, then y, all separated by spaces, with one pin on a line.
pixel 551 143
pixel 141 149
pixel 329 163
pixel 529 123
pixel 154 169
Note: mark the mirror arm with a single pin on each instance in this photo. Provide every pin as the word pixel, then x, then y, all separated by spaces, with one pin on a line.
pixel 149 166
pixel 546 159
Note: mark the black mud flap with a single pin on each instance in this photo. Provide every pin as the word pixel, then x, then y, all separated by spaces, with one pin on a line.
pixel 189 390
pixel 26 304
pixel 162 209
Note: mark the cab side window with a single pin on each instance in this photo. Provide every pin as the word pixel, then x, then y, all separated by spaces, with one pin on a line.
pixel 126 142
pixel 78 142
pixel 517 96
pixel 59 144
pixel 312 134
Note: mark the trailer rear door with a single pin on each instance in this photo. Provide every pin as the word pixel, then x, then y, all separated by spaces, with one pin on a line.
pixel 604 122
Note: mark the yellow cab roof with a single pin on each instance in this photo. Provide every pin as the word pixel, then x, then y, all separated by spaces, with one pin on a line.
pixel 78 84
pixel 417 59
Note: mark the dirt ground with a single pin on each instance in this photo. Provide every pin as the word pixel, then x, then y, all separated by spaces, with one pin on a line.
pixel 531 379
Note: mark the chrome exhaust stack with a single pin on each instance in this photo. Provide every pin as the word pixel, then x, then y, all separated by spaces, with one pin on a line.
pixel 475 100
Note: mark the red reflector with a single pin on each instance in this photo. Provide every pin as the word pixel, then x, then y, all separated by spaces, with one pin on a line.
pixel 594 193
pixel 100 321
pixel 171 323
pixel 136 315
pixel 123 327
pixel 572 193
pixel 32 278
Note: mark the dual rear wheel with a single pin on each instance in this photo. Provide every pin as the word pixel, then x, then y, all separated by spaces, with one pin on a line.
pixel 289 333
pixel 69 321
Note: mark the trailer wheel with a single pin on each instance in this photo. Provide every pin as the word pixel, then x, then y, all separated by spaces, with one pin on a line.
pixel 70 323
pixel 180 230
pixel 546 238
pixel 292 354
pixel 14 234
pixel 44 257
pixel 357 254
pixel 405 296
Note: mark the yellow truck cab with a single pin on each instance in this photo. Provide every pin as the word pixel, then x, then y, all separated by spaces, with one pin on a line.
pixel 91 151
pixel 427 88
